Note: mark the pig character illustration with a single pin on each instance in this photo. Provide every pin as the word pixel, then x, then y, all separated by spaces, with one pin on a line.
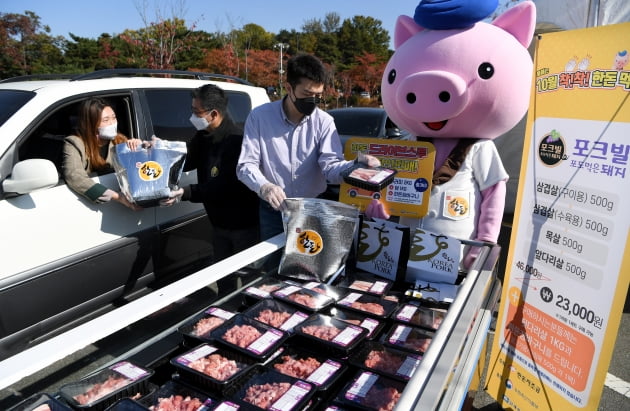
pixel 621 59
pixel 459 83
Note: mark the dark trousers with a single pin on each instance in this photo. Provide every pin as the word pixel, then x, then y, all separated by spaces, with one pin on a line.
pixel 227 242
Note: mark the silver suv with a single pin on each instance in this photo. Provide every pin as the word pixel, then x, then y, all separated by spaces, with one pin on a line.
pixel 63 257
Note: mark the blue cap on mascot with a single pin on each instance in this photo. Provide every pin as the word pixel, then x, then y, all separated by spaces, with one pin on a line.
pixel 452 14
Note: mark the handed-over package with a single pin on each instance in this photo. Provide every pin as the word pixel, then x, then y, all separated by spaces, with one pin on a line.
pixel 147 175
pixel 319 237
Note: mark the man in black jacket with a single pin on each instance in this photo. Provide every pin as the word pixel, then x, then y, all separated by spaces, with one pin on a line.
pixel 214 150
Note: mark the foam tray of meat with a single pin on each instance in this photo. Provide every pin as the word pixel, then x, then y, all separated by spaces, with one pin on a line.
pixel 304 298
pixel 370 391
pixel 211 367
pixel 267 389
pixel 40 402
pixel 334 337
pixel 373 325
pixel 277 314
pixel 262 289
pixel 366 283
pixel 408 338
pixel 390 362
pixel 318 369
pixel 367 304
pixel 100 390
pixel 326 289
pixel 249 336
pixel 199 328
pixel 176 396
pixel 420 316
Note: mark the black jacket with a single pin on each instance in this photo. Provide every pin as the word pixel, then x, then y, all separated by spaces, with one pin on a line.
pixel 228 202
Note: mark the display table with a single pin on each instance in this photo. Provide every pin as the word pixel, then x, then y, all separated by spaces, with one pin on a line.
pixel 441 381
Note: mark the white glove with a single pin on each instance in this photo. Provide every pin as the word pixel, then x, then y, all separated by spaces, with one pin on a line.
pixel 371 161
pixel 174 197
pixel 273 194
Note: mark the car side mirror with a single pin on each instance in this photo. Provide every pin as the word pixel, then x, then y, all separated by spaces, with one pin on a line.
pixel 31 175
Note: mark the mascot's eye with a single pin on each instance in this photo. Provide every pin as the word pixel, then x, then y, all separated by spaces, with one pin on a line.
pixel 485 70
pixel 391 77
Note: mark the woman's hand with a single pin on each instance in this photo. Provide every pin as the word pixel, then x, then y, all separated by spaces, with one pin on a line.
pixel 134 143
pixel 122 199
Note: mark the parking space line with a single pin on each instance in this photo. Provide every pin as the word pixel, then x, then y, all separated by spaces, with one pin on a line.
pixel 618 385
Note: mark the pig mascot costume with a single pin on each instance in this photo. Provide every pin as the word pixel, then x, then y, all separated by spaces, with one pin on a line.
pixel 459 83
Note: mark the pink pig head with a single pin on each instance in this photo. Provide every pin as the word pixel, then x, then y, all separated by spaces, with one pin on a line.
pixel 471 82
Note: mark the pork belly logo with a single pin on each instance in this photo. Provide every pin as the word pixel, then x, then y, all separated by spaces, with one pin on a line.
pixel 149 170
pixel 552 149
pixel 309 242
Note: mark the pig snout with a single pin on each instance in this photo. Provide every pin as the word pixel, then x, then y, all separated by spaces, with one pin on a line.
pixel 433 95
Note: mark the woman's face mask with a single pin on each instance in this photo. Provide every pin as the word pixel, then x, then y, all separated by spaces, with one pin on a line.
pixel 108 132
pixel 200 123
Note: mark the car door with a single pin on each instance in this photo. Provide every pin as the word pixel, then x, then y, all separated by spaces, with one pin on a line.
pixel 64 256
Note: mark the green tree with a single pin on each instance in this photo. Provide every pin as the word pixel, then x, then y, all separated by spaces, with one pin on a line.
pixel 82 53
pixel 362 35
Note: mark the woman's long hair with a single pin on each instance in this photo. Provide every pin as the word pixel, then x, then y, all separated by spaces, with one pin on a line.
pixel 87 128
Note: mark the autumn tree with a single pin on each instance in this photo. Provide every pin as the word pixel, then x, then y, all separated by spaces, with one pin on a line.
pixel 367 72
pixel 23 44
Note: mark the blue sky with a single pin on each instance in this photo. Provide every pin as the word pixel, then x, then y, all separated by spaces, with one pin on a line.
pixel 89 18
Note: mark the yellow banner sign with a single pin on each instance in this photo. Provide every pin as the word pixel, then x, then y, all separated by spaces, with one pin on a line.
pixel 408 195
pixel 568 266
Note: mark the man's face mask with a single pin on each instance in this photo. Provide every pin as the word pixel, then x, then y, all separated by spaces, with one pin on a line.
pixel 108 132
pixel 200 123
pixel 306 105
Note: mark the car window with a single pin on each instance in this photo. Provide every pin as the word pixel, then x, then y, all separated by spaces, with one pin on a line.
pixel 356 123
pixel 47 138
pixel 170 112
pixel 11 101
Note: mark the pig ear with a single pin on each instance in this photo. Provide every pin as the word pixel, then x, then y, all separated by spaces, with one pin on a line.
pixel 519 21
pixel 405 29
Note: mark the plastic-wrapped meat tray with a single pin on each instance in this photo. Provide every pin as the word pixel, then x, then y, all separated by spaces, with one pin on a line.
pixel 277 314
pixel 267 389
pixel 199 328
pixel 420 316
pixel 331 291
pixel 304 298
pixel 370 391
pixel 172 393
pixel 390 362
pixel 208 367
pixel 318 369
pixel 368 178
pixel 408 338
pixel 262 289
pixel 248 336
pixel 367 304
pixel 100 390
pixel 368 284
pixel 322 333
pixel 38 400
pixel 373 325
